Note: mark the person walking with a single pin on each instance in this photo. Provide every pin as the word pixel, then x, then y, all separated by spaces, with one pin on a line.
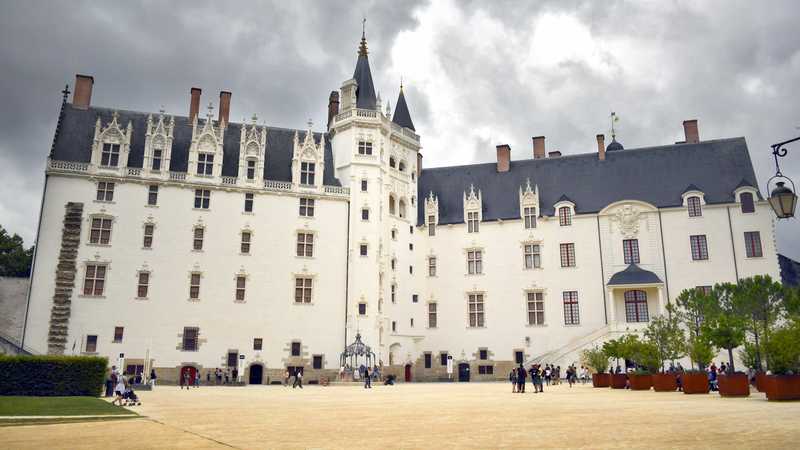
pixel 185 381
pixel 286 376
pixel 547 374
pixel 368 378
pixel 153 378
pixel 197 379
pixel 218 375
pixel 512 377
pixel 521 375
pixel 119 390
pixel 536 379
pixel 298 378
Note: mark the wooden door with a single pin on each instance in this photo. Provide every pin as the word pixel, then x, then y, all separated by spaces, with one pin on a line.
pixel 408 372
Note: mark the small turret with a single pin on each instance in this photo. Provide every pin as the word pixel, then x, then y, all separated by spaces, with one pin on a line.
pixel 401 115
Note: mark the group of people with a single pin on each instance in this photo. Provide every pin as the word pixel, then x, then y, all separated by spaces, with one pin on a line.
pixel 119 387
pixel 298 378
pixel 545 375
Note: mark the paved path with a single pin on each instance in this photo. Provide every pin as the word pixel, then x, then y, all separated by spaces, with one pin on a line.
pixel 476 415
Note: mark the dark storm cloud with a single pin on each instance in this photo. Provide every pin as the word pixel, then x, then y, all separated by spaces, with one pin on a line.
pixel 734 66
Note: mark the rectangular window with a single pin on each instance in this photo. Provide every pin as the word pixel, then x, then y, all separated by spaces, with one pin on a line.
pixel 483 354
pixel 305 244
pixel 529 214
pixel 699 247
pixel 307 173
pixel 244 247
pixel 152 195
pixel 473 223
pixel 636 306
pixel 428 360
pixel 630 251
pixel 197 242
pixel 411 246
pixel 705 290
pixel 202 198
pixel 411 269
pixel 241 283
pixel 110 155
pixel 194 286
pixel 258 344
pixel 394 326
pixel 746 199
pixel 571 315
pixel 91 343
pixel 486 370
pixel 443 358
pixel 431 315
pixel 190 339
pixel 157 154
pixel 535 308
pixel 532 256
pixel 362 309
pixel 149 230
pixel 752 244
pixel 302 290
pixel 101 231
pixel 431 225
pixel 693 205
pixel 476 310
pixel 94 280
pixel 316 362
pixel 251 169
pixel 432 266
pixel 414 298
pixel 295 349
pixel 567 255
pixel 364 214
pixel 307 207
pixel 118 331
pixel 412 323
pixel 143 285
pixel 105 191
pixel 394 293
pixel 205 164
pixel 564 216
pixel 519 357
pixel 248 202
pixel 363 185
pixel 474 262
pixel 364 148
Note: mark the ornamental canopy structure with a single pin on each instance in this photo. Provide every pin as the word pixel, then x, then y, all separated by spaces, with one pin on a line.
pixel 357 353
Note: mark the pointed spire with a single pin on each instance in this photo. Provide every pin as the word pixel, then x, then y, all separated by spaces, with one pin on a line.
pixel 401 115
pixel 362 49
pixel 365 88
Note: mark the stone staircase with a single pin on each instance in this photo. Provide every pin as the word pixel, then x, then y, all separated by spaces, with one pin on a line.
pixel 570 352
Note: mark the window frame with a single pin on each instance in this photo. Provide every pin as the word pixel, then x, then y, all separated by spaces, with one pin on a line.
pixel 564 216
pixel 473 222
pixel 474 261
pixel 91 339
pixel 694 206
pixel 431 266
pixel 142 284
pixel 240 291
pixel 245 242
pixel 567 254
pixel 152 195
pixel 306 207
pixel 305 244
pixel 476 310
pixel 535 308
pixel 749 206
pixel 105 191
pixel 195 281
pixel 433 315
pixel 698 245
pixel 119 334
pixel 308 173
pixel 304 286
pixel 91 282
pixel 205 164
pixel 529 217
pixel 636 307
pixel 249 202
pixel 110 153
pixel 198 239
pixel 630 251
pixel 100 229
pixel 190 335
pixel 202 199
pixel 571 307
pixel 751 238
pixel 531 255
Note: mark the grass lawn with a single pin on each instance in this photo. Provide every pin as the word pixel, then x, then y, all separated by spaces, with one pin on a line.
pixel 57 406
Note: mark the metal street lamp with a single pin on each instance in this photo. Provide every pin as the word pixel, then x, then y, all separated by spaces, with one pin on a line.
pixel 782 199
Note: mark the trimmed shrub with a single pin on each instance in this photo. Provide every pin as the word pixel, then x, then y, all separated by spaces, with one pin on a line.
pixel 52 375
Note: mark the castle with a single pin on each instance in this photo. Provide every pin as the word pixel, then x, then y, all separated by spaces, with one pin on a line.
pixel 190 243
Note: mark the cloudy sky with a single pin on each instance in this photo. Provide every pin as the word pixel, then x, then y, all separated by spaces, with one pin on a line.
pixel 476 73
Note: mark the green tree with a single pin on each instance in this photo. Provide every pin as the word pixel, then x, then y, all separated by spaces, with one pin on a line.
pixel 724 325
pixel 613 349
pixel 760 302
pixel 692 307
pixel 596 358
pixel 783 349
pixel 700 350
pixel 665 333
pixel 15 260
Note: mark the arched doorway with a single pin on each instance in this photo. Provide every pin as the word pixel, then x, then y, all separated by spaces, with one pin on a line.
pixel 187 370
pixel 408 372
pixel 256 374
pixel 463 372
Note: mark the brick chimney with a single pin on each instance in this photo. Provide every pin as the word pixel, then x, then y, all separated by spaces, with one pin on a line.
pixel 82 97
pixel 601 147
pixel 333 106
pixel 503 157
pixel 538 147
pixel 194 103
pixel 691 131
pixel 554 154
pixel 224 106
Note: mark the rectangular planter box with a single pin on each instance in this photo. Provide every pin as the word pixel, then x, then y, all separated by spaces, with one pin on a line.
pixel 601 380
pixel 782 387
pixel 640 382
pixel 695 383
pixel 665 382
pixel 761 382
pixel 619 381
pixel 734 385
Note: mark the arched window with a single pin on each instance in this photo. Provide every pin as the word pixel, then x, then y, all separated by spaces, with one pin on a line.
pixel 391 162
pixel 402 208
pixel 401 167
pixel 747 202
pixel 636 306
pixel 693 204
pixel 391 205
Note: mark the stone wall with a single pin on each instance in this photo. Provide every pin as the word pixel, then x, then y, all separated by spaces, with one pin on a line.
pixel 13 294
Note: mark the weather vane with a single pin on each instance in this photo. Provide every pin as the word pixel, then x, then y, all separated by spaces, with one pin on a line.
pixel 614 118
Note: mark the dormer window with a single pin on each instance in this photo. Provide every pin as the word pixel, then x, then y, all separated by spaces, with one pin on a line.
pixel 564 216
pixel 529 214
pixel 364 148
pixel 251 169
pixel 746 199
pixel 110 155
pixel 205 164
pixel 693 206
pixel 473 222
pixel 157 155
pixel 307 173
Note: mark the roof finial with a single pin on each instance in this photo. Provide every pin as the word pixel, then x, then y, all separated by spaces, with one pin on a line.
pixel 65 93
pixel 310 123
pixel 362 49
pixel 401 83
pixel 614 118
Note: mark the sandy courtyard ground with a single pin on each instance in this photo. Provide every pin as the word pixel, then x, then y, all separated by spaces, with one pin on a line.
pixel 476 415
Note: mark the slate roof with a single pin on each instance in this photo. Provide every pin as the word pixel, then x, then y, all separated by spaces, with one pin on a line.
pixel 790 271
pixel 633 274
pixel 401 115
pixel 657 175
pixel 365 90
pixel 73 142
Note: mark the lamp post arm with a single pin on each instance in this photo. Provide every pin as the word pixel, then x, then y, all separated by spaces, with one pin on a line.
pixel 779 150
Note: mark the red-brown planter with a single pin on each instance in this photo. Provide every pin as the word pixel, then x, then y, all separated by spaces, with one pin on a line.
pixel 619 381
pixel 734 385
pixel 601 380
pixel 665 382
pixel 761 380
pixel 782 387
pixel 695 383
pixel 640 382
